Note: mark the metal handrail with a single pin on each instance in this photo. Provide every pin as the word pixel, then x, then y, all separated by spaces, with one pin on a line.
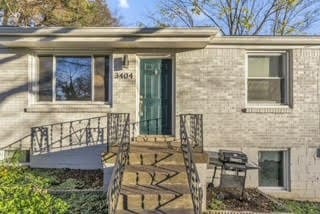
pixel 18 144
pixel 79 132
pixel 23 144
pixel 157 121
pixel 119 167
pixel 187 150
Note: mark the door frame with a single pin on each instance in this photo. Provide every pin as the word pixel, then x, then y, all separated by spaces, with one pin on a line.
pixel 173 87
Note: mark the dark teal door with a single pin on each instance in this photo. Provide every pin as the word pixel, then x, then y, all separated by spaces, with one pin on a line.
pixel 155 96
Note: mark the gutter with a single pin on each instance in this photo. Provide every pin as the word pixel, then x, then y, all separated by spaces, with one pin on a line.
pixel 108 32
pixel 266 40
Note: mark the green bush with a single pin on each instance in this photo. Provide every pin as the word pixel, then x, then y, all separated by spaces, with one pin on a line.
pixel 217 205
pixel 85 202
pixel 70 184
pixel 23 192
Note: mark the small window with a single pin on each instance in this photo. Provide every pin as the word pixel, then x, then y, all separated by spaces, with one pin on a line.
pixel 274 169
pixel 73 78
pixel 267 78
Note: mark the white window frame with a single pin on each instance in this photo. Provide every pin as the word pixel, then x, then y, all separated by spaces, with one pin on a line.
pixel 285 76
pixel 35 77
pixel 286 170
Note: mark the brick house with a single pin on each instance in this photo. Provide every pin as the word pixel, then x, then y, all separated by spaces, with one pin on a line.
pixel 257 94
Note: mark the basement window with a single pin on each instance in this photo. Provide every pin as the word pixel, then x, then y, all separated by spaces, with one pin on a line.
pixel 267 78
pixel 274 169
pixel 73 78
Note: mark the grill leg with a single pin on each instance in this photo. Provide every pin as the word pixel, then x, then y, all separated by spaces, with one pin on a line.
pixel 243 183
pixel 214 175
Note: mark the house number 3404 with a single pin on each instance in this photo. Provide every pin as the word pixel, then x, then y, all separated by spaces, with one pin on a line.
pixel 123 76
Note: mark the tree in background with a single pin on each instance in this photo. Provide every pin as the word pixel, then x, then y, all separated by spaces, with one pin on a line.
pixel 72 13
pixel 240 17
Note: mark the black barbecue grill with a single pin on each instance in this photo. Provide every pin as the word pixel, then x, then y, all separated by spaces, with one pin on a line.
pixel 236 157
pixel 234 166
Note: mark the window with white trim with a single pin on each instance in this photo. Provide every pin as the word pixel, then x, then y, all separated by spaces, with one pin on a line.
pixel 267 78
pixel 274 169
pixel 73 78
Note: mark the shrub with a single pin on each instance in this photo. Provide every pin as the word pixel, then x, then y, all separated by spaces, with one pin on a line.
pixel 85 202
pixel 71 184
pixel 23 192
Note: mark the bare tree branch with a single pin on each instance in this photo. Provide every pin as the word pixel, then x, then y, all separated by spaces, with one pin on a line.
pixel 242 17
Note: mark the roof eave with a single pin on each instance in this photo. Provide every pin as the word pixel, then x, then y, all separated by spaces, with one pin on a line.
pixel 107 37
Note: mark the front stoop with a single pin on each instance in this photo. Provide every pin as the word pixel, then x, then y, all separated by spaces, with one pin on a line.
pixel 155 180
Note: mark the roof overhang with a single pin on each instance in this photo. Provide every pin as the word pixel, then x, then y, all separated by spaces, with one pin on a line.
pixel 56 37
pixel 267 40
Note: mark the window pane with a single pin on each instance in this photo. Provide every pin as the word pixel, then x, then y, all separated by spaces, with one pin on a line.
pixel 101 68
pixel 45 78
pixel 265 66
pixel 73 78
pixel 266 90
pixel 271 169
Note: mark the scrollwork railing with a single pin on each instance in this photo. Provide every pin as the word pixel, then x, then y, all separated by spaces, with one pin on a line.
pixel 189 140
pixel 123 143
pixel 115 128
pixel 57 136
pixel 194 126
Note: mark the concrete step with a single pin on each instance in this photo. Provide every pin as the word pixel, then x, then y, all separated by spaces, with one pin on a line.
pixel 147 175
pixel 155 138
pixel 146 155
pixel 157 211
pixel 151 197
pixel 156 159
pixel 169 144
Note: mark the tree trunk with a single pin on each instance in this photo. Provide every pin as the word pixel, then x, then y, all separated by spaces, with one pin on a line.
pixel 5 17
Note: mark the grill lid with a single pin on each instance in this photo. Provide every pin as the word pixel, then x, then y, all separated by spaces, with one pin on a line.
pixel 229 156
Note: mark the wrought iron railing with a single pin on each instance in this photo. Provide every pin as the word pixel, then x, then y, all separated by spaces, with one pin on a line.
pixel 190 139
pixel 153 126
pixel 123 142
pixel 115 128
pixel 20 146
pixel 194 126
pixel 84 132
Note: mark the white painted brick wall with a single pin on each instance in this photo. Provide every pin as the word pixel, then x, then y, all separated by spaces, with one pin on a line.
pixel 212 82
pixel 209 81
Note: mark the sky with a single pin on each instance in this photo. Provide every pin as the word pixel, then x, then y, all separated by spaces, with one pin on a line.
pixel 132 12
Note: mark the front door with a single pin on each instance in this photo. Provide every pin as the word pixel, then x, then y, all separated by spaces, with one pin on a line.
pixel 156 96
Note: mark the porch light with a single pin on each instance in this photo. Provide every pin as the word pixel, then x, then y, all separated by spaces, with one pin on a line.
pixel 125 61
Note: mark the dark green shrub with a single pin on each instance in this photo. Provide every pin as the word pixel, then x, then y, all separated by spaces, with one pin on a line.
pixel 85 202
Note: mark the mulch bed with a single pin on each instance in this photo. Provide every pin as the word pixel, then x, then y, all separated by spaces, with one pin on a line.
pixel 88 178
pixel 223 199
